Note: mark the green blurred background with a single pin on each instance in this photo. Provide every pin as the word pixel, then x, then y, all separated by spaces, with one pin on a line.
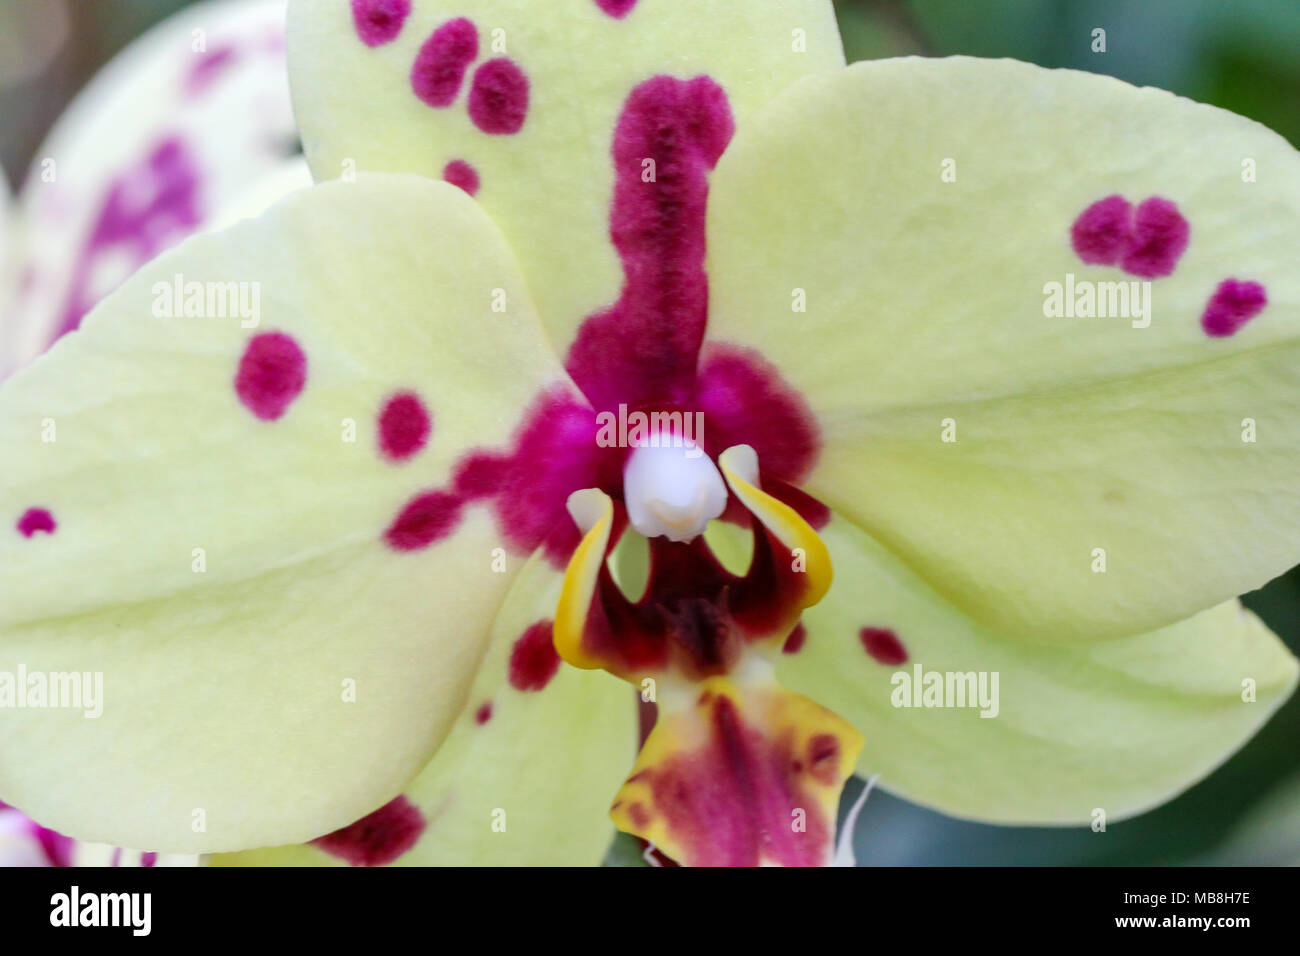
pixel 1243 55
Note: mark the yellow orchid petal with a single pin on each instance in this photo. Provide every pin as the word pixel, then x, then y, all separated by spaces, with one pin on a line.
pixel 807 551
pixel 889 235
pixel 523 778
pixel 254 535
pixel 518 101
pixel 980 724
pixel 593 512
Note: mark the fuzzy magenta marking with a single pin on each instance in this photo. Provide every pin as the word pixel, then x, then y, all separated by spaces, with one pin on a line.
pixel 34 520
pixel 57 848
pixel 404 426
pixel 428 517
pixel 462 174
pixel 794 643
pixel 147 208
pixel 1233 304
pixel 379 838
pixel 483 714
pixel 731 802
pixel 379 21
pixel 1145 242
pixel 440 66
pixel 534 660
pixel 745 401
pixel 617 9
pixel 209 67
pixel 271 375
pixel 883 645
pixel 642 351
pixel 644 348
pixel 498 98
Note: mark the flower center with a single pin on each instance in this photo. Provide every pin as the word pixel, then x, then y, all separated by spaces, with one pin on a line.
pixel 673 490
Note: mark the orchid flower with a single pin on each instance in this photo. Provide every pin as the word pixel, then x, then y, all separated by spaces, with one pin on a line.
pixel 124 174
pixel 365 578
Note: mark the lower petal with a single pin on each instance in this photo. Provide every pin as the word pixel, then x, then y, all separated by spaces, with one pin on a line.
pixel 1041 734
pixel 525 775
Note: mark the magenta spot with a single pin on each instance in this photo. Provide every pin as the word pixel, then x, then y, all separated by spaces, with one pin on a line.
pixel 1145 242
pixel 1100 234
pixel 439 68
pixel 483 714
pixel 116 858
pixel 745 401
pixel 428 517
pixel 404 426
pixel 617 9
pixel 379 838
pixel 148 859
pixel 1158 239
pixel 554 453
pixel 271 375
pixel 1233 304
pixel 34 520
pixel 534 661
pixel 794 643
pixel 498 99
pixel 462 174
pixel 883 645
pixel 209 67
pixel 379 21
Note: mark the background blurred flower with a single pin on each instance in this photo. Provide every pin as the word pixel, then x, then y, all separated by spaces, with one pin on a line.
pixel 167 138
pixel 189 128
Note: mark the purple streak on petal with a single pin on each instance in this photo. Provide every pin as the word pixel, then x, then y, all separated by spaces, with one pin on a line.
pixel 57 848
pixel 643 349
